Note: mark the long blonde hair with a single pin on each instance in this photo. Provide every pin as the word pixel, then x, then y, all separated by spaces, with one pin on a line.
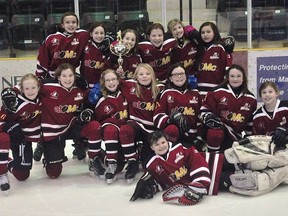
pixel 154 88
pixel 28 77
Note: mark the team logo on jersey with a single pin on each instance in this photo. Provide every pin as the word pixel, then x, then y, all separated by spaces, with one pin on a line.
pixel 245 107
pixel 79 96
pixel 192 51
pixel 179 156
pixel 214 56
pixel 194 100
pixel 283 121
pixel 55 42
pixel 178 174
pixel 54 95
pixel 87 49
pixel 170 99
pixel 107 109
pixel 159 169
pixel 133 91
pixel 147 52
pixel 223 101
pixel 75 41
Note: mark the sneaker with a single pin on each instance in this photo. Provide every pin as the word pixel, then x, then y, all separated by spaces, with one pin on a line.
pixel 95 165
pixel 38 151
pixel 111 172
pixel 79 152
pixel 132 170
pixel 4 182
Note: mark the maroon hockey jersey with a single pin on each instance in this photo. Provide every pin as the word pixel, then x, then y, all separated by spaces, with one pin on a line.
pixel 187 102
pixel 180 165
pixel 211 71
pixel 140 109
pixel 236 112
pixel 60 48
pixel 112 110
pixel 59 108
pixel 93 63
pixel 28 115
pixel 264 124
pixel 158 58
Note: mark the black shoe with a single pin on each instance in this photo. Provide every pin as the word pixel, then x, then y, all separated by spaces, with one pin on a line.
pixel 79 152
pixel 38 152
pixel 95 165
pixel 132 170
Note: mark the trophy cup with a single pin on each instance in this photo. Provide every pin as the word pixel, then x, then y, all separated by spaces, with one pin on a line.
pixel 119 49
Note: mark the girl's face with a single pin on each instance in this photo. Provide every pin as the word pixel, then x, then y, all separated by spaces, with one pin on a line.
pixel 269 95
pixel 30 88
pixel 161 146
pixel 156 37
pixel 98 34
pixel 129 40
pixel 70 24
pixel 178 31
pixel 178 76
pixel 207 34
pixel 111 82
pixel 67 78
pixel 235 78
pixel 144 76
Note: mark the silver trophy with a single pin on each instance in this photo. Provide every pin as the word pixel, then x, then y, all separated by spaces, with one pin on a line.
pixel 119 49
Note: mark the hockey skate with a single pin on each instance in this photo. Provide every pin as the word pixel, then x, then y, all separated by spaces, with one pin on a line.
pixel 37 154
pixel 4 183
pixel 79 152
pixel 132 170
pixel 111 175
pixel 96 166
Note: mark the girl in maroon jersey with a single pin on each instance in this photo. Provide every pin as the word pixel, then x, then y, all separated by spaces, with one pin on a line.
pixel 227 112
pixel 157 51
pixel 65 46
pixel 19 127
pixel 212 59
pixel 179 107
pixel 141 94
pixel 96 58
pixel 130 59
pixel 271 118
pixel 62 101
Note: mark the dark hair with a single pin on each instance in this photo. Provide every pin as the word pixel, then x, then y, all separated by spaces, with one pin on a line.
pixel 217 36
pixel 135 48
pixel 69 14
pixel 155 136
pixel 266 84
pixel 62 67
pixel 94 25
pixel 155 26
pixel 168 83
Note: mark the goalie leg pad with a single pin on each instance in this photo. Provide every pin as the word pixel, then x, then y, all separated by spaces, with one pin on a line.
pixel 253 183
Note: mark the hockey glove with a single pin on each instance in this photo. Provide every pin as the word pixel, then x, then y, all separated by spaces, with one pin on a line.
pixel 15 132
pixel 192 81
pixel 279 137
pixel 228 43
pixel 80 82
pixel 178 119
pixel 146 187
pixel 9 99
pixel 95 94
pixel 85 116
pixel 189 194
pixel 199 143
pixel 212 121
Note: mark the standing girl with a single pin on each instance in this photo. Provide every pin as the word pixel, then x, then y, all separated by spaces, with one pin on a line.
pixel 157 51
pixel 19 126
pixel 141 94
pixel 66 46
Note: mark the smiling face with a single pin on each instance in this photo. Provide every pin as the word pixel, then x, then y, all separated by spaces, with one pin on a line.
pixel 111 82
pixel 67 78
pixel 156 37
pixel 70 24
pixel 129 40
pixel 177 31
pixel 269 96
pixel 178 76
pixel 144 76
pixel 207 34
pixel 161 146
pixel 98 34
pixel 30 88
pixel 235 78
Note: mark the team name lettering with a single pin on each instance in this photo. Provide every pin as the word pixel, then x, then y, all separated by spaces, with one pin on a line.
pixel 65 54
pixel 94 64
pixel 66 108
pixel 144 105
pixel 208 67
